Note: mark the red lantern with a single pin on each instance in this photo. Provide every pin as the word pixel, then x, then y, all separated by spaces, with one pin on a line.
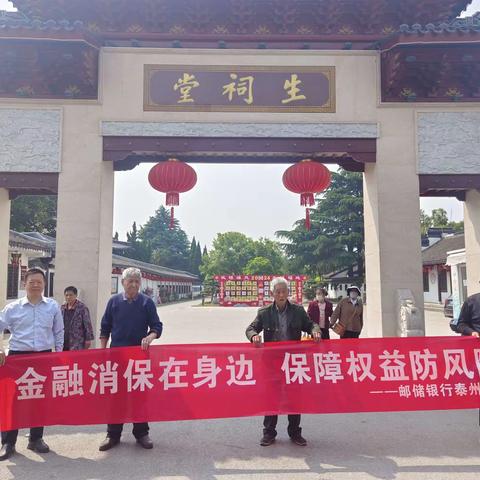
pixel 172 177
pixel 307 178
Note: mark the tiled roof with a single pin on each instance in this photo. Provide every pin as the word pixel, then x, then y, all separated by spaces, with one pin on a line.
pixel 342 274
pixel 466 25
pixel 26 241
pixel 124 262
pixel 44 243
pixel 437 253
pixel 14 20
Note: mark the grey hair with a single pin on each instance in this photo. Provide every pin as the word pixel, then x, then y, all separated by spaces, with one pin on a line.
pixel 131 272
pixel 278 281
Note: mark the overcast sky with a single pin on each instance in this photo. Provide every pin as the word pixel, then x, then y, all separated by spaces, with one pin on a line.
pixel 246 198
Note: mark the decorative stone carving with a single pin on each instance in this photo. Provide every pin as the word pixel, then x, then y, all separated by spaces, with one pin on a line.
pixel 410 322
pixel 30 140
pixel 255 130
pixel 448 143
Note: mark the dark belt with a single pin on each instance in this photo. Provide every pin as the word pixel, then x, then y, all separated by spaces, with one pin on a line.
pixel 21 352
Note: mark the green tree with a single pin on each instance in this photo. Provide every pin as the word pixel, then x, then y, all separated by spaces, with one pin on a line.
pixel 259 266
pixel 34 214
pixel 210 287
pixel 115 237
pixel 272 251
pixel 235 253
pixel 457 226
pixel 192 253
pixel 425 222
pixel 439 218
pixel 140 250
pixel 132 235
pixel 230 254
pixel 198 259
pixel 336 239
pixel 170 247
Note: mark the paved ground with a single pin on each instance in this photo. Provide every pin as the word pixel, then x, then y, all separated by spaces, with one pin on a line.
pixel 420 445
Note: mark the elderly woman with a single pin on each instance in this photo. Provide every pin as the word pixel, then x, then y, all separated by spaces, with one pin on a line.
pixel 76 319
pixel 347 318
pixel 320 310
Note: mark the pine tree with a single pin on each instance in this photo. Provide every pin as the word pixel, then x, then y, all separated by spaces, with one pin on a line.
pixel 193 249
pixel 336 239
pixel 170 246
pixel 198 259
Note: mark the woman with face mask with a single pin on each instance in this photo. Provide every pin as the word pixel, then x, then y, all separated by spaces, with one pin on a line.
pixel 320 310
pixel 348 315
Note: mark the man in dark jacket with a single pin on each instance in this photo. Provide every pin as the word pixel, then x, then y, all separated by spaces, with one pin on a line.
pixel 281 321
pixel 469 320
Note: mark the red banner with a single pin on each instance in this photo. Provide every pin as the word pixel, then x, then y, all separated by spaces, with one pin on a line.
pixel 184 382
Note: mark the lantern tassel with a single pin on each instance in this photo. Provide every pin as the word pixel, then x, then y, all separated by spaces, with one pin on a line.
pixel 172 218
pixel 307 219
pixel 307 200
pixel 173 198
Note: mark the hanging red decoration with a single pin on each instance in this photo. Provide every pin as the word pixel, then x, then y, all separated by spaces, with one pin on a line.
pixel 172 177
pixel 307 178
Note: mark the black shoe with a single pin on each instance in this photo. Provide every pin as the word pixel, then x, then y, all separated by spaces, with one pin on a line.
pixel 267 440
pixel 108 443
pixel 7 451
pixel 38 446
pixel 145 442
pixel 298 440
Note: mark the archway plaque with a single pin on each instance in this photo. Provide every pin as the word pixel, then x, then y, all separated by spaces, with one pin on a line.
pixel 239 88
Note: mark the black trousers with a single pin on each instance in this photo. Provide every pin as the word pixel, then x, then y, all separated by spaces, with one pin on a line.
pixel 350 334
pixel 325 333
pixel 270 424
pixel 36 433
pixel 114 430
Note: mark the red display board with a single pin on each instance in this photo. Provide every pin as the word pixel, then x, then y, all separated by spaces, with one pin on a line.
pixel 254 290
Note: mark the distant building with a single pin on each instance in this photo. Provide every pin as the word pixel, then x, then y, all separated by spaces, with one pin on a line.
pixel 338 282
pixel 437 279
pixel 435 234
pixel 457 262
pixel 33 249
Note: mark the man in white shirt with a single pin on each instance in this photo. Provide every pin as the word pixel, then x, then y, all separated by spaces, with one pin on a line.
pixel 36 326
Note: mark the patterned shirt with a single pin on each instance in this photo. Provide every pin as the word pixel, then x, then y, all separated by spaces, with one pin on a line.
pixel 321 308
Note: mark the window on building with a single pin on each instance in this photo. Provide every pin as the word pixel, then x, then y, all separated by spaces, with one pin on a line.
pixel 426 281
pixel 442 281
pixel 114 287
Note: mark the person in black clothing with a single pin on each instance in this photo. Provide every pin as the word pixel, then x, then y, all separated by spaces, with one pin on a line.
pixel 469 320
pixel 281 321
pixel 130 319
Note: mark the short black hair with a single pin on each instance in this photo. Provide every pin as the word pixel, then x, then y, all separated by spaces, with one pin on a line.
pixel 72 289
pixel 35 271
